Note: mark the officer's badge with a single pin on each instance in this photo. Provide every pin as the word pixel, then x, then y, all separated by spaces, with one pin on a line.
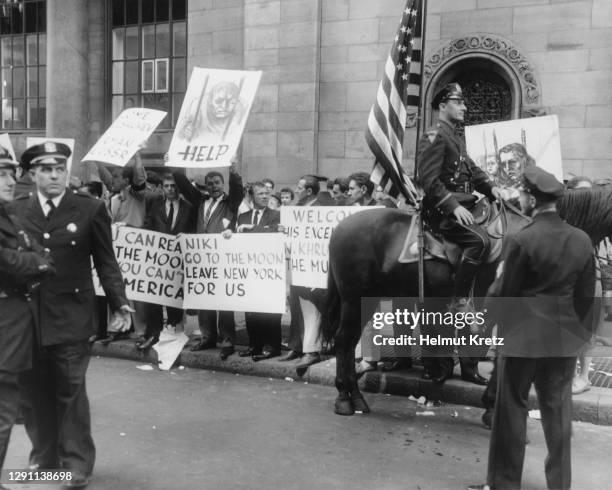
pixel 72 228
pixel 50 147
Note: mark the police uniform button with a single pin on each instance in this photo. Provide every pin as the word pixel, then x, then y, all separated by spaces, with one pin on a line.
pixel 76 290
pixel 46 250
pixel 19 249
pixel 73 243
pixel 46 236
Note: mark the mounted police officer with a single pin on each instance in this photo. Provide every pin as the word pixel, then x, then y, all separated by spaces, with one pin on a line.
pixel 23 264
pixel 542 301
pixel 449 177
pixel 75 228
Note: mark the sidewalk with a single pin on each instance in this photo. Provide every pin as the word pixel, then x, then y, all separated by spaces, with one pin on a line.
pixel 594 406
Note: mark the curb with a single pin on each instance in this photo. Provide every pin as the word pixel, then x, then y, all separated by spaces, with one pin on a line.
pixel 593 406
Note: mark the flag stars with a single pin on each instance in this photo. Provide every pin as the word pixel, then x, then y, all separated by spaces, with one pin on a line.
pixel 413 12
pixel 405 76
pixel 399 66
pixel 408 59
pixel 403 29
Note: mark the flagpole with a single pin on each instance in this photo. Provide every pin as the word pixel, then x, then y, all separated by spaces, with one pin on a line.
pixel 421 233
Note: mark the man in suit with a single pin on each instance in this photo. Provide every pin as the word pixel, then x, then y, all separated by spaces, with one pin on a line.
pixel 542 302
pixel 23 264
pixel 449 177
pixel 264 329
pixel 74 228
pixel 216 212
pixel 169 214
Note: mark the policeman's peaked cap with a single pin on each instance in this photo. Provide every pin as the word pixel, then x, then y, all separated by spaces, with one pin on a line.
pixel 451 91
pixel 540 182
pixel 6 159
pixel 47 153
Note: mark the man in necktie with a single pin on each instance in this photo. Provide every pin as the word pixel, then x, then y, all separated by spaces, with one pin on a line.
pixel 74 228
pixel 216 212
pixel 169 214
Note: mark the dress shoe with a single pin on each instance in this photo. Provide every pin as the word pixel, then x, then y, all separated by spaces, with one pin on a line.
pixel 267 354
pixel 147 343
pixel 203 346
pixel 307 360
pixel 114 336
pixel 441 379
pixel 475 378
pixel 290 356
pixel 249 352
pixel 78 480
pixel 226 352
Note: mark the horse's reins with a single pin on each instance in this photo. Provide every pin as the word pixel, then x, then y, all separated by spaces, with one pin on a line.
pixel 503 211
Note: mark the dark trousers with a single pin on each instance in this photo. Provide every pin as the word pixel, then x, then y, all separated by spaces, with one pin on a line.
pixel 226 327
pixel 154 317
pixel 264 329
pixel 552 378
pixel 296 327
pixel 9 406
pixel 56 407
pixel 474 242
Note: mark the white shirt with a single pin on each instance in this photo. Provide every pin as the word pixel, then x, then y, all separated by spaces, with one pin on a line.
pixel 43 202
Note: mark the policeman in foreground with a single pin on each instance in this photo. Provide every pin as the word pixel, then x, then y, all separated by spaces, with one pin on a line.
pixel 542 302
pixel 75 228
pixel 23 264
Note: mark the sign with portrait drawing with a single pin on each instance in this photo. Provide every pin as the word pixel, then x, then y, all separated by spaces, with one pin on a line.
pixel 505 149
pixel 212 117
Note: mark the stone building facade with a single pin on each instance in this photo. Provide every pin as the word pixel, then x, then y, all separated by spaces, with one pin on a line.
pixel 322 61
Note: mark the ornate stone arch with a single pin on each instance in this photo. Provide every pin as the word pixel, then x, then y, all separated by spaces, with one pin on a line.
pixel 500 55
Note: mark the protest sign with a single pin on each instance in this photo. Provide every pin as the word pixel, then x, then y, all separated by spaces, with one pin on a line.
pixel 5 142
pixel 212 118
pixel 151 265
pixel 123 138
pixel 308 230
pixel 37 140
pixel 243 273
pixel 504 149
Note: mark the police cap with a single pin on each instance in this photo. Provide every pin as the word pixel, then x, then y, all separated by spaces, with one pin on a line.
pixel 540 182
pixel 451 91
pixel 6 159
pixel 47 153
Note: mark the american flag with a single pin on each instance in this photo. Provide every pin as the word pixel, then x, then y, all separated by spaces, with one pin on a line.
pixel 397 99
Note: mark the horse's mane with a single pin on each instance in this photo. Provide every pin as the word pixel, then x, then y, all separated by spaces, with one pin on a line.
pixel 590 210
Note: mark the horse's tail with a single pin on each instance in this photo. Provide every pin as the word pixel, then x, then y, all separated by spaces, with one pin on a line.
pixel 331 316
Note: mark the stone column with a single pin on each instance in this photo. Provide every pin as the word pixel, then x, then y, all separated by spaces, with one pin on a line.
pixel 67 73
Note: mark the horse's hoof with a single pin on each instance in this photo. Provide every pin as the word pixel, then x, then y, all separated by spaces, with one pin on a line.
pixel 344 407
pixel 360 405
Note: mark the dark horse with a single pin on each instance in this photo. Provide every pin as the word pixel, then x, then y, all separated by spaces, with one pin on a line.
pixel 363 262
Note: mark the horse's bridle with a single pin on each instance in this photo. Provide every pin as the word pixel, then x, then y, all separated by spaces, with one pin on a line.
pixel 504 206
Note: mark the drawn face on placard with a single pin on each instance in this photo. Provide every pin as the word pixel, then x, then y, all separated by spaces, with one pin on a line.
pixel 222 101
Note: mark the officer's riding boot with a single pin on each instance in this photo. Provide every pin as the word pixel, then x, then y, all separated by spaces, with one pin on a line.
pixel 464 278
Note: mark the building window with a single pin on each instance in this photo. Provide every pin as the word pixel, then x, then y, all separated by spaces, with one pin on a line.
pixel 23 59
pixel 149 56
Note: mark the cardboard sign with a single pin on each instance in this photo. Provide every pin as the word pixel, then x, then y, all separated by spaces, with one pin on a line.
pixel 212 118
pixel 151 264
pixel 123 138
pixel 5 142
pixel 243 273
pixel 308 230
pixel 37 140
pixel 504 149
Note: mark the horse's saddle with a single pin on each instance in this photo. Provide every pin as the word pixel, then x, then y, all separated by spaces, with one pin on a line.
pixel 486 214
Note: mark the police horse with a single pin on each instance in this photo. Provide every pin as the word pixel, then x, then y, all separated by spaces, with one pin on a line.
pixel 364 254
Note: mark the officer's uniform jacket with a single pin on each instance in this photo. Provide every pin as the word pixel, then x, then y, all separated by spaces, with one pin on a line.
pixel 548 279
pixel 446 173
pixel 77 231
pixel 22 266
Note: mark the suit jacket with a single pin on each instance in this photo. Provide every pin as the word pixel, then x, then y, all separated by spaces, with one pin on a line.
pixel 22 265
pixel 268 223
pixel 77 231
pixel 156 219
pixel 546 284
pixel 444 168
pixel 226 208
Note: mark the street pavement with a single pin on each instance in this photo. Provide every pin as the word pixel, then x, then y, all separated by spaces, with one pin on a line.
pixel 199 429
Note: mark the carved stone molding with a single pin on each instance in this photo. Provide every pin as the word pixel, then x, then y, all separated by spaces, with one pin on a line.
pixel 492 45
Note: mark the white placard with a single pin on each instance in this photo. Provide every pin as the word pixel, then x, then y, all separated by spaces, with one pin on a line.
pixel 123 138
pixel 504 149
pixel 5 142
pixel 212 118
pixel 243 273
pixel 151 264
pixel 308 230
